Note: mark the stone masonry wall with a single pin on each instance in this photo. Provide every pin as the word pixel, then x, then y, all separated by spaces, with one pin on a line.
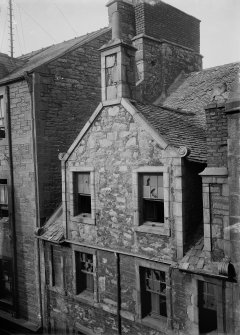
pixel 66 311
pixel 114 146
pixel 24 190
pixel 70 89
pixel 163 21
pixel 159 64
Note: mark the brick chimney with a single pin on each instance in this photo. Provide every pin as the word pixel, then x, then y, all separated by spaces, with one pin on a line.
pixel 118 55
pixel 168 43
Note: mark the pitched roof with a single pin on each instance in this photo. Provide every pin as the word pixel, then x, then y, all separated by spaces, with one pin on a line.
pixel 8 64
pixel 40 57
pixel 177 128
pixel 52 231
pixel 199 89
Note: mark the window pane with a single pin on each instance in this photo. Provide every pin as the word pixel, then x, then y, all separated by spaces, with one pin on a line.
pixel 84 272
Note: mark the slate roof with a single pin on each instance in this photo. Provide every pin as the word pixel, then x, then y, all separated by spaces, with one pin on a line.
pixel 198 89
pixel 52 231
pixel 40 57
pixel 197 261
pixel 8 64
pixel 177 128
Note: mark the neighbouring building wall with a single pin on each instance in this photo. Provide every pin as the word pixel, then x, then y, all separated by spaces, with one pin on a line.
pixel 24 198
pixel 68 90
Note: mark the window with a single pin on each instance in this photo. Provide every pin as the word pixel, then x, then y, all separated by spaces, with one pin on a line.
pixel 83 194
pixel 152 198
pixel 56 276
pixel 153 292
pixel 3 198
pixel 5 281
pixel 2 117
pixel 84 273
pixel 207 304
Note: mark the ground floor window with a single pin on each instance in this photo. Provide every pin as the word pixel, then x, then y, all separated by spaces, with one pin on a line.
pixel 6 282
pixel 84 272
pixel 207 306
pixel 153 292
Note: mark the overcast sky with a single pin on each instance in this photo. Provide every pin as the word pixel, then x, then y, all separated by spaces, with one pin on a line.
pixel 38 23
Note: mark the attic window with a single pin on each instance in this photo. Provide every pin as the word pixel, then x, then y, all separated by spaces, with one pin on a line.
pixel 152 198
pixel 83 194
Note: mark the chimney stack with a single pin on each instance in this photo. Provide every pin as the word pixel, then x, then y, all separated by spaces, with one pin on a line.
pixel 118 55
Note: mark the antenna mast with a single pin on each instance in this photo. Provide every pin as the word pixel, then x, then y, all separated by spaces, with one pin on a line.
pixel 11 26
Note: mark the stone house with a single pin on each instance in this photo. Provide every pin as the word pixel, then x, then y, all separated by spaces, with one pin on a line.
pixel 45 97
pixel 146 238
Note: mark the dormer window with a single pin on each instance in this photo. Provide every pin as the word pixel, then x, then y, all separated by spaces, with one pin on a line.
pixel 83 194
pixel 152 198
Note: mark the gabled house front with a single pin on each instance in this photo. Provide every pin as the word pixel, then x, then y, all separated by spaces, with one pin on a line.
pixel 142 242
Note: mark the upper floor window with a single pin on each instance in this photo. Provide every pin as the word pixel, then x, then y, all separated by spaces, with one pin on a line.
pixel 3 198
pixel 83 194
pixel 2 117
pixel 152 198
pixel 82 190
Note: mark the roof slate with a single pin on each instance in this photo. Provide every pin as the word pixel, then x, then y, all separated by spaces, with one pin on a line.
pixel 52 231
pixel 40 57
pixel 198 89
pixel 177 128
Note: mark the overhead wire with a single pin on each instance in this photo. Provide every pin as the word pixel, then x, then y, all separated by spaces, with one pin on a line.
pixel 4 29
pixel 75 32
pixel 43 29
pixel 21 25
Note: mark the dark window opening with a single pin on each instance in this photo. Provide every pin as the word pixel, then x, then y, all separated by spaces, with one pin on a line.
pixel 153 293
pixel 83 194
pixel 152 198
pixel 3 198
pixel 2 118
pixel 56 267
pixel 207 304
pixel 6 281
pixel 84 273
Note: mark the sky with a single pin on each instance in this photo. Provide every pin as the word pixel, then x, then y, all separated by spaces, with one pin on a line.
pixel 39 23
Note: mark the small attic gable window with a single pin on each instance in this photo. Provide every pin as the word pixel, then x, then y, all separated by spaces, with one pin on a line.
pixel 83 194
pixel 111 69
pixel 2 117
pixel 152 198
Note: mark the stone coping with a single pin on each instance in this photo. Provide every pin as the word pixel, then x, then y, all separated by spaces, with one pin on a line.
pixel 214 171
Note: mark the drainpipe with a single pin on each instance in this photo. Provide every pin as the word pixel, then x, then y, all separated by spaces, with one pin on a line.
pixel 12 217
pixel 118 294
pixel 33 81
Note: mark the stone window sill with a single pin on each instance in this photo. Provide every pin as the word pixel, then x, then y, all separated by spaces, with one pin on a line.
pixel 83 219
pixel 87 298
pixel 158 229
pixel 157 324
pixel 58 290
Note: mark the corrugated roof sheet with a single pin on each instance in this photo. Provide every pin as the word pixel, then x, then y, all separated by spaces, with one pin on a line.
pixel 37 58
pixel 177 128
pixel 52 231
pixel 197 90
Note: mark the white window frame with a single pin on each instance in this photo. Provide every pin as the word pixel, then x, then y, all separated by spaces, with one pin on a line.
pixel 162 228
pixel 80 218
